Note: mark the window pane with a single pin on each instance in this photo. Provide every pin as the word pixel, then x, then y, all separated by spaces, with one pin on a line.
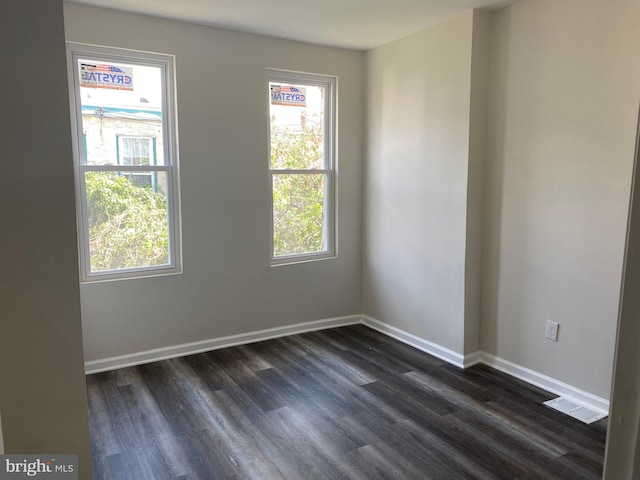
pixel 136 151
pixel 298 214
pixel 297 126
pixel 120 100
pixel 127 219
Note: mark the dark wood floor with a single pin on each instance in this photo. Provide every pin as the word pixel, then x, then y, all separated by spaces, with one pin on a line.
pixel 347 403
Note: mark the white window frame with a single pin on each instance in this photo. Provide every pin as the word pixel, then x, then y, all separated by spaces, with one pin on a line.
pixel 79 51
pixel 329 170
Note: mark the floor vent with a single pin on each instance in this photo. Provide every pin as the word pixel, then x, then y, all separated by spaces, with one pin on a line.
pixel 575 410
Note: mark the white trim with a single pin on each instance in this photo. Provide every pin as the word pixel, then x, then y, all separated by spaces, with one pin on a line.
pixel 166 64
pixel 472 359
pixel 600 405
pixel 420 343
pixel 111 363
pixel 330 208
pixel 532 377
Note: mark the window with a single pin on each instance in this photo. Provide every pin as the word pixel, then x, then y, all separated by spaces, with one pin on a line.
pixel 301 166
pixel 138 151
pixel 123 113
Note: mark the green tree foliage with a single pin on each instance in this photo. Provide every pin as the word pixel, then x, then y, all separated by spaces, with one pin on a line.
pixel 298 199
pixel 128 225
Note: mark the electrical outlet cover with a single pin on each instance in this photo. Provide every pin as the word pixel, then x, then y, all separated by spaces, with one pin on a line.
pixel 551 332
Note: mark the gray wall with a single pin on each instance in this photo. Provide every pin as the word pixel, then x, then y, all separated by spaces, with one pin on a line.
pixel 507 209
pixel 227 286
pixel 416 182
pixel 480 50
pixel 565 83
pixel 42 390
pixel 565 78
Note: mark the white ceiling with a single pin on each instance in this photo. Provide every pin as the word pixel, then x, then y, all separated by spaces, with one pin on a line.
pixel 359 24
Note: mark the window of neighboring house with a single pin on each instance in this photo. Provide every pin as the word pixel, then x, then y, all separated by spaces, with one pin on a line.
pixel 138 151
pixel 125 153
pixel 301 166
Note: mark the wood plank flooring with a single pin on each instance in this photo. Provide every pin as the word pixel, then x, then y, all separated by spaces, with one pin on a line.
pixel 346 403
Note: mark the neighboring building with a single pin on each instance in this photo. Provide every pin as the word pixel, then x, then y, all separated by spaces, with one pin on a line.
pixel 124 135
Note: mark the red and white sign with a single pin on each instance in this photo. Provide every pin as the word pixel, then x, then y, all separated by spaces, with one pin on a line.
pixel 288 95
pixel 102 75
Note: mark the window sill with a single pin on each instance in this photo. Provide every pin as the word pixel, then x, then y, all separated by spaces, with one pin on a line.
pixel 293 260
pixel 130 275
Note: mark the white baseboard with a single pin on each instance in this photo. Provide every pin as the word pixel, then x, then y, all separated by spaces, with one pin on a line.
pixel 532 377
pixel 420 343
pixel 472 359
pixel 593 402
pixel 545 382
pixel 138 358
